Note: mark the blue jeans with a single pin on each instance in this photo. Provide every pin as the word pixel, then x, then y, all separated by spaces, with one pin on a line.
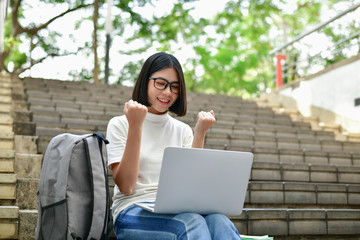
pixel 135 223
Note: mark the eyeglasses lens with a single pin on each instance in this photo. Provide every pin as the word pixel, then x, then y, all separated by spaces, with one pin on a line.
pixel 162 84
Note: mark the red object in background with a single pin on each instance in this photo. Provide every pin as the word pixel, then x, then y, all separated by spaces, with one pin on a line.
pixel 279 80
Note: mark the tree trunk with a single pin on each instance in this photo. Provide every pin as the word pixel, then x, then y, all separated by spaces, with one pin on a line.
pixel 96 62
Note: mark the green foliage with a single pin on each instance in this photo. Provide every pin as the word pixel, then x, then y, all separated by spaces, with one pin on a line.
pixel 307 13
pixel 17 58
pixel 82 75
pixel 12 46
pixel 129 72
pixel 231 59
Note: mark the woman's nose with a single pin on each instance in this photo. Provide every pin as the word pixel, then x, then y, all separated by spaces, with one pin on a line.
pixel 167 90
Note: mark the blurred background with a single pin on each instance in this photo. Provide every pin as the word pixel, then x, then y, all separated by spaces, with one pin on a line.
pixel 225 47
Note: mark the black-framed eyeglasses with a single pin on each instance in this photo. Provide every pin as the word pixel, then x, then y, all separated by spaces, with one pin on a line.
pixel 161 84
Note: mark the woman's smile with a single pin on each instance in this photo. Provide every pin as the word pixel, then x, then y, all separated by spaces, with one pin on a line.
pixel 163 101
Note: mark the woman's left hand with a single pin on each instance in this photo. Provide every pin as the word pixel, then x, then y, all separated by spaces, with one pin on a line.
pixel 204 122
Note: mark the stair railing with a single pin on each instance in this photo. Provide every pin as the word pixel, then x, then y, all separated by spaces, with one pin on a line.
pixel 298 58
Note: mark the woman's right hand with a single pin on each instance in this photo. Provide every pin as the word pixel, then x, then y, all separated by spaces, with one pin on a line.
pixel 135 113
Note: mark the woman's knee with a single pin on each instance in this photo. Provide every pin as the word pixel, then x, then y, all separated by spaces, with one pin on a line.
pixel 196 225
pixel 219 221
pixel 192 219
pixel 216 219
pixel 208 221
pixel 220 227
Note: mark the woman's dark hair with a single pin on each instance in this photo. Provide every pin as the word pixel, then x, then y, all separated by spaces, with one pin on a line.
pixel 155 63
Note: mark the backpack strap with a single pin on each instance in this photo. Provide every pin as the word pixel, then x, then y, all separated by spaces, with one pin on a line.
pixel 99 185
pixel 101 139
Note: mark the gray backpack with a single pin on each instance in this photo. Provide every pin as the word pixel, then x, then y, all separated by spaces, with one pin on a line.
pixel 73 196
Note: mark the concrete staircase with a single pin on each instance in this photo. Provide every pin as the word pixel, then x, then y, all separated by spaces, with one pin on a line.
pixel 20 165
pixel 305 184
pixel 9 213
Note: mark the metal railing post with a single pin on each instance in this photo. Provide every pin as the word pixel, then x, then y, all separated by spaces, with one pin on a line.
pixel 302 64
pixel 279 79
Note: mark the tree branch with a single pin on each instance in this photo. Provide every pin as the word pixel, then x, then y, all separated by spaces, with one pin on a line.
pixel 40 60
pixel 15 5
pixel 35 30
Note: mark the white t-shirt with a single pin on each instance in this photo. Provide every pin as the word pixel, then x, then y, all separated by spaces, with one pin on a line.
pixel 158 132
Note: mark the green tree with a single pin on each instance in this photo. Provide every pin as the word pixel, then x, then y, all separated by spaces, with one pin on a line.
pixel 34 32
pixel 42 39
pixel 235 61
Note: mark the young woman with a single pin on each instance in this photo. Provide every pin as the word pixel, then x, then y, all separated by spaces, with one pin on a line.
pixel 137 141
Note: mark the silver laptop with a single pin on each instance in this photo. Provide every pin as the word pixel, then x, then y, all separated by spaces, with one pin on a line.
pixel 203 181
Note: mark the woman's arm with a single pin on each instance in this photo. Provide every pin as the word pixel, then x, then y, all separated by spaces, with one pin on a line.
pixel 204 123
pixel 126 172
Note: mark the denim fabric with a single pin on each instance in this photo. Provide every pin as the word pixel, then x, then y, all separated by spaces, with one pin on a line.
pixel 135 223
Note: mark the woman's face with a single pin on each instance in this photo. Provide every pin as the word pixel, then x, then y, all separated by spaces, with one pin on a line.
pixel 162 100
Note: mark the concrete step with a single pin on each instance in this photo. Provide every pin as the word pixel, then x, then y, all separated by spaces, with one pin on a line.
pixel 5 83
pixel 6 140
pixel 28 170
pixel 304 195
pixel 302 223
pixel 353 137
pixel 302 172
pixel 44 117
pixel 246 137
pixel 216 138
pixel 28 165
pixel 62 95
pixel 7 186
pixel 5 118
pixel 7 161
pixel 46 134
pixel 26 193
pixel 272 130
pixel 43 143
pixel 115 108
pixel 280 223
pixel 297 195
pixel 51 132
pixel 269 153
pixel 25 144
pixel 27 224
pixel 5 97
pixel 6 124
pixel 298 155
pixel 5 91
pixel 9 216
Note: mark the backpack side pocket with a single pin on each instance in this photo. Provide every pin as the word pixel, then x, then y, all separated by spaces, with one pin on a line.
pixel 54 221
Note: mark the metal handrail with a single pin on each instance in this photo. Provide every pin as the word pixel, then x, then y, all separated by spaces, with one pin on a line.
pixel 319 26
pixel 348 38
pixel 303 65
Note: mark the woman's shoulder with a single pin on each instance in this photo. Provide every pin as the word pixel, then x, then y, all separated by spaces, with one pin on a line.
pixel 118 120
